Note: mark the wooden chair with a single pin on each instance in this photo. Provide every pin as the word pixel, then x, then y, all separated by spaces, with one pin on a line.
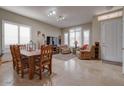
pixel 65 49
pixel 22 63
pixel 45 60
pixel 13 56
pixel 22 46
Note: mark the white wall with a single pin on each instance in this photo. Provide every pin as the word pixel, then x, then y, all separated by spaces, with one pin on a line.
pixel 95 30
pixel 0 38
pixel 123 45
pixel 47 29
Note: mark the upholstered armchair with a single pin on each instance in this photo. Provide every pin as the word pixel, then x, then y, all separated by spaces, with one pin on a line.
pixel 65 49
pixel 87 54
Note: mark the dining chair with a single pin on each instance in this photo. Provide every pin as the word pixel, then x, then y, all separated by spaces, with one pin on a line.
pixel 23 46
pixel 45 60
pixel 13 56
pixel 22 63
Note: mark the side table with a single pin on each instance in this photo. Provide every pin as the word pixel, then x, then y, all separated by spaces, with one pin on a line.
pixel 74 51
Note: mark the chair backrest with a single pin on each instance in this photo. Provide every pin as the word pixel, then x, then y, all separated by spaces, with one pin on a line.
pixel 12 50
pixel 46 53
pixel 22 46
pixel 17 53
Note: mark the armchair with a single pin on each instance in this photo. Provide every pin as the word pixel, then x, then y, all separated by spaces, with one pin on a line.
pixel 65 49
pixel 87 54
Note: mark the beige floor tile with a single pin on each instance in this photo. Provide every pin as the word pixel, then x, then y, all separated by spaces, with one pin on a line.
pixel 73 72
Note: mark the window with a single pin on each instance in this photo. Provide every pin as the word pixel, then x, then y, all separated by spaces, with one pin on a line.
pixel 86 36
pixel 75 35
pixel 24 35
pixel 15 34
pixel 10 34
pixel 78 37
pixel 110 15
pixel 66 38
pixel 72 38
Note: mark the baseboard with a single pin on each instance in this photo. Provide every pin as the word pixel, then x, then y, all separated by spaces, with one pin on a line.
pixel 112 62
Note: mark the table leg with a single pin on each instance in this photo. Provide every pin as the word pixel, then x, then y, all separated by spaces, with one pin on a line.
pixel 31 67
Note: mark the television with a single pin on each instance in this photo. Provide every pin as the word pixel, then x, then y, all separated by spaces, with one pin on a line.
pixel 53 41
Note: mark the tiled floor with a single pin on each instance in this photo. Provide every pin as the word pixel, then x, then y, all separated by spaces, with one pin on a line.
pixel 68 73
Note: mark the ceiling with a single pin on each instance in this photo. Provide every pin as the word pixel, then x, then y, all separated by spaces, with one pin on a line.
pixel 74 15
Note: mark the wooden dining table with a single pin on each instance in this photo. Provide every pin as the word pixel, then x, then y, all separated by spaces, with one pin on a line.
pixel 31 56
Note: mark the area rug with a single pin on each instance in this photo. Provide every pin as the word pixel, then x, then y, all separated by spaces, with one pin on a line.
pixel 64 57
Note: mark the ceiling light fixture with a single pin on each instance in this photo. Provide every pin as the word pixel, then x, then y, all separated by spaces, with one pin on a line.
pixel 52 13
pixel 60 18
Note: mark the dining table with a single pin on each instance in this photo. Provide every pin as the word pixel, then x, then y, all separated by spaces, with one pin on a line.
pixel 31 60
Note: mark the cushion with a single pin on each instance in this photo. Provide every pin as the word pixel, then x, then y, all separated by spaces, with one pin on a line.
pixel 85 46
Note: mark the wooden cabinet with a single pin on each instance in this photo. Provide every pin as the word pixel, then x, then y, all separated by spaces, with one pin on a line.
pixel 96 50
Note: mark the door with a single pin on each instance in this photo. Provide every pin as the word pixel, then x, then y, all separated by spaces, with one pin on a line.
pixel 111 40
